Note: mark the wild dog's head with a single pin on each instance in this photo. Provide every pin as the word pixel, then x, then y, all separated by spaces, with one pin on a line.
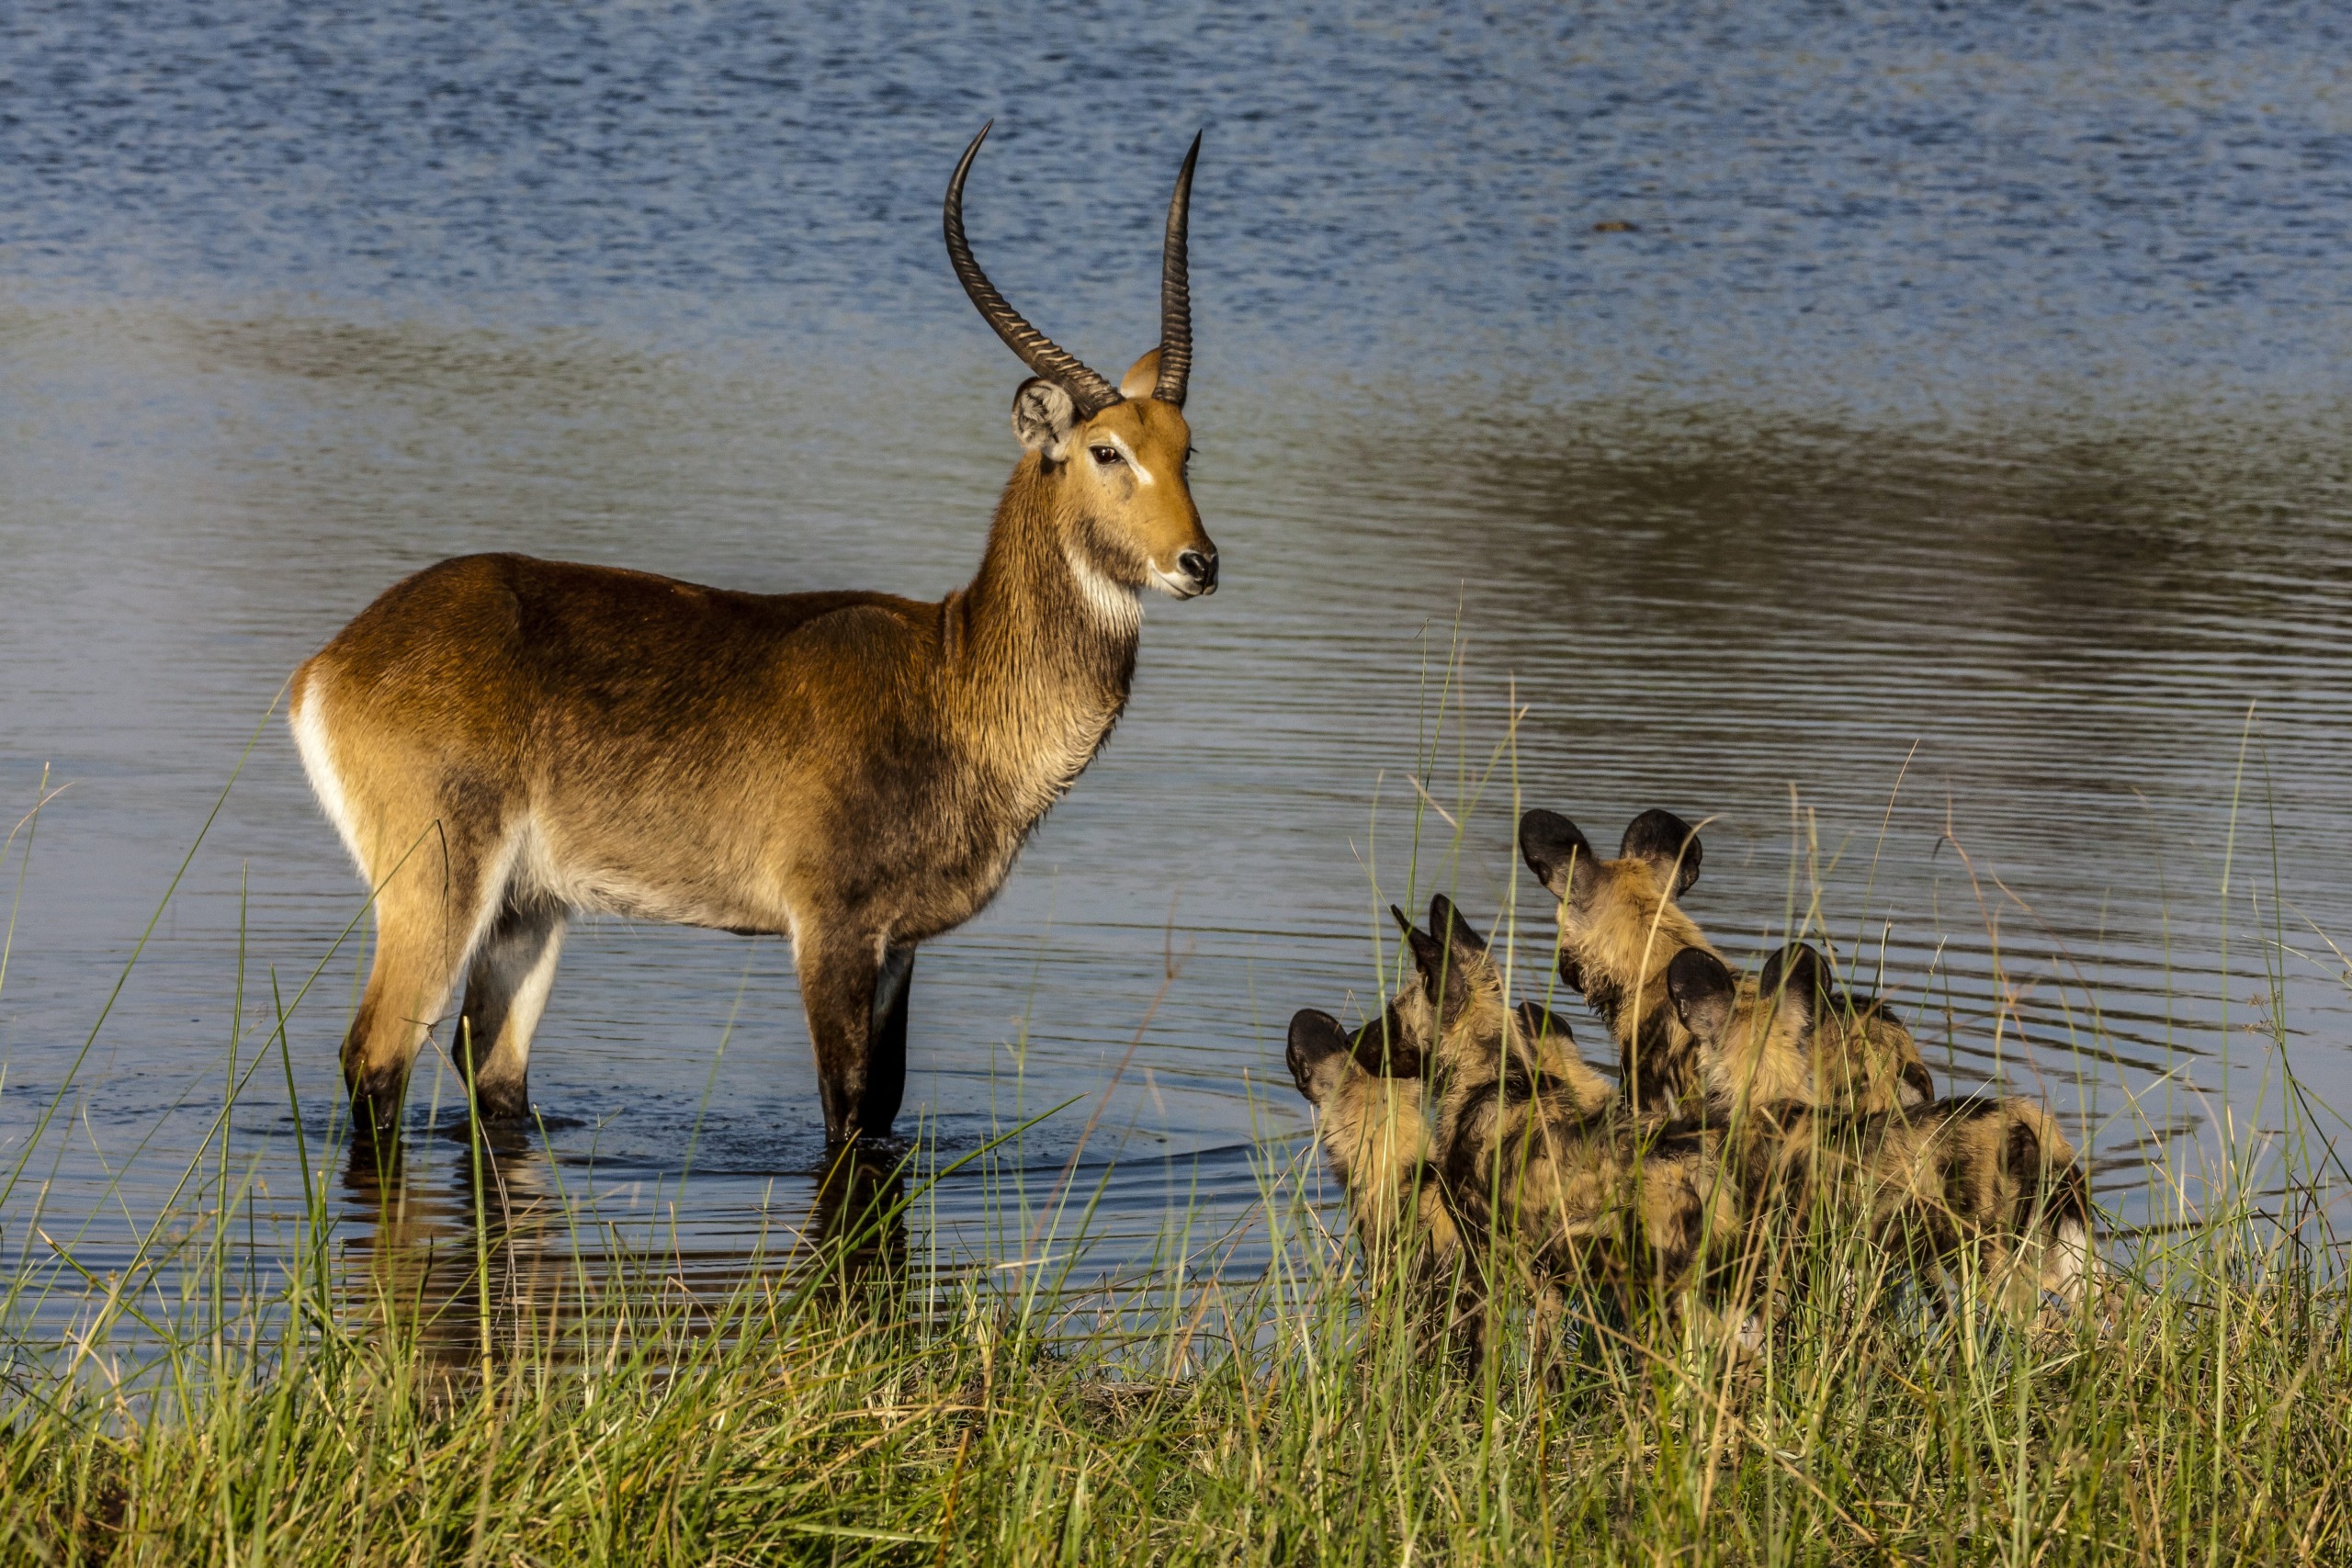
pixel 1320 1055
pixel 1462 986
pixel 1795 1035
pixel 1373 1130
pixel 1620 928
pixel 1755 1041
pixel 1865 1058
pixel 1472 1033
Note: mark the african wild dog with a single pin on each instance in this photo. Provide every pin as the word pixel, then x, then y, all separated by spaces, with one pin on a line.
pixel 1374 1132
pixel 1545 1172
pixel 1619 931
pixel 1477 1051
pixel 1989 1177
pixel 1368 1088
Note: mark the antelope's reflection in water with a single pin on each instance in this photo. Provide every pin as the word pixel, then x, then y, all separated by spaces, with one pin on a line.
pixel 474 1248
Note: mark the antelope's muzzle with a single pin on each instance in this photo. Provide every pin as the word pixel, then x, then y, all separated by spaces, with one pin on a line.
pixel 1199 570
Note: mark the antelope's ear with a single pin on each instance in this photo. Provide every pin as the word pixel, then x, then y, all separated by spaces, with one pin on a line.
pixel 1704 992
pixel 1559 853
pixel 1447 922
pixel 1317 1046
pixel 1667 844
pixel 1043 416
pixel 1142 378
pixel 1802 974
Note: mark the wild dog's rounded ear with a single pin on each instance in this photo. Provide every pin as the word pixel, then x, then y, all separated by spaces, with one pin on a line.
pixel 1540 1022
pixel 1559 853
pixel 1313 1037
pixel 1802 973
pixel 1382 1049
pixel 1447 922
pixel 1429 957
pixel 1043 416
pixel 1704 992
pixel 1445 977
pixel 1667 844
pixel 1404 921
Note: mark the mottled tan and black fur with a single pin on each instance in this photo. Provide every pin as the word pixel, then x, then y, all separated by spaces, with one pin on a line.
pixel 1619 929
pixel 1544 1168
pixel 1990 1180
pixel 1477 1054
pixel 502 741
pixel 1374 1130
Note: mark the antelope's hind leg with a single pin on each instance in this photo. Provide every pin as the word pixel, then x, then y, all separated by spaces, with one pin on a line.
pixel 506 992
pixel 431 911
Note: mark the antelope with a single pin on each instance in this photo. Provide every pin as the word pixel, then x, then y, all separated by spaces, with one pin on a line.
pixel 502 741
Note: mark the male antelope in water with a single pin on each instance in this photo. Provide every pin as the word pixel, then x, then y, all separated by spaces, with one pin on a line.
pixel 502 741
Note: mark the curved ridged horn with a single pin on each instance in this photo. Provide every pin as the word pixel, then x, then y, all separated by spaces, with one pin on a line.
pixel 1176 290
pixel 1041 353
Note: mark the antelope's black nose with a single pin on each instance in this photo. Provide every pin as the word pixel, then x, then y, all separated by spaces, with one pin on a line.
pixel 1200 567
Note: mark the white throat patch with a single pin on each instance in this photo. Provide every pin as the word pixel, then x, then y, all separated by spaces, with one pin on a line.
pixel 1121 608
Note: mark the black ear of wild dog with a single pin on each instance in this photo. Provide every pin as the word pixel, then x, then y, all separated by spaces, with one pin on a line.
pixel 1404 921
pixel 1444 979
pixel 1382 1050
pixel 1447 924
pixel 1540 1021
pixel 1704 992
pixel 1314 1036
pixel 1429 957
pixel 1551 845
pixel 1802 973
pixel 1659 838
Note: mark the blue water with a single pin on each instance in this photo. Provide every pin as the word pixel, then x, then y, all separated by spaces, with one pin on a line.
pixel 1950 414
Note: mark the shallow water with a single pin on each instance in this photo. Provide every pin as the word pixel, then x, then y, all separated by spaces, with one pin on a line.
pixel 1952 447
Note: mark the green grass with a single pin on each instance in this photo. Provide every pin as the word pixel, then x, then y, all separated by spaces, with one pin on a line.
pixel 829 1416
pixel 837 1409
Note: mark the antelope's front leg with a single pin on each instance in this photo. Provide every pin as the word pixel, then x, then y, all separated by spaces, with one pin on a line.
pixel 854 986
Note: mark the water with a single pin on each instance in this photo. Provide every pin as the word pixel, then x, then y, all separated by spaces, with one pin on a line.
pixel 1953 444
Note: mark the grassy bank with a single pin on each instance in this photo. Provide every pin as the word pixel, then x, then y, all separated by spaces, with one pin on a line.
pixel 865 1404
pixel 835 1415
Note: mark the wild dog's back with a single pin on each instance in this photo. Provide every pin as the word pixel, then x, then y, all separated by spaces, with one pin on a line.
pixel 1988 1176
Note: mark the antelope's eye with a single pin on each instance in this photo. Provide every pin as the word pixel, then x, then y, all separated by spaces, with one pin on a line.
pixel 1106 456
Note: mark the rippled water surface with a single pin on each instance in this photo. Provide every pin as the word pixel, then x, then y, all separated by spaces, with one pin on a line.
pixel 1914 443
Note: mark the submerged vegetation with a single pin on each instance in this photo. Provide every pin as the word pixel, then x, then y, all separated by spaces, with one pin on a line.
pixel 857 1400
